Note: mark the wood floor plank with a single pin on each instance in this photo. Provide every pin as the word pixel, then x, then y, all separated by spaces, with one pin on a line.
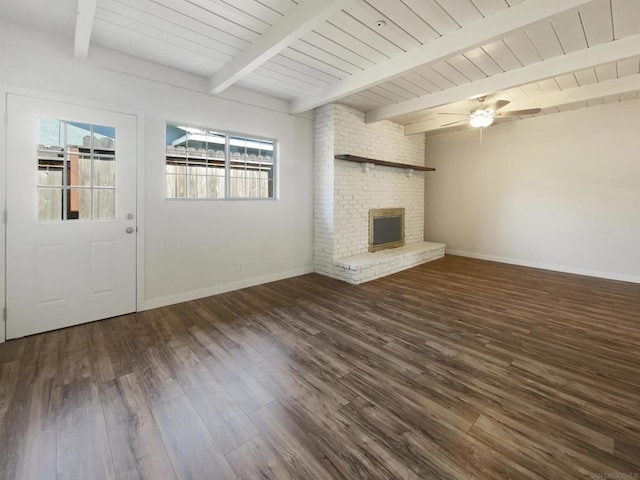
pixel 223 417
pixel 350 447
pixel 124 343
pixel 154 370
pixel 100 359
pixel 30 432
pixel 136 446
pixel 74 362
pixel 549 460
pixel 83 449
pixel 9 372
pixel 193 451
pixel 240 386
pixel 257 459
pixel 296 446
pixel 12 351
pixel 430 453
pixel 40 357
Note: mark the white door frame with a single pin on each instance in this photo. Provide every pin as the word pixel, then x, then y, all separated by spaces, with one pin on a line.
pixel 139 114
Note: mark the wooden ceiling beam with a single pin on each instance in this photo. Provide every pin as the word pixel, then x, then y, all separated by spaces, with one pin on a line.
pixel 554 67
pixel 615 86
pixel 84 25
pixel 301 20
pixel 476 34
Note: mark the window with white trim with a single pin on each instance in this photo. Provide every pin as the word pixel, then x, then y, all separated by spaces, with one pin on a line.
pixel 211 164
pixel 76 171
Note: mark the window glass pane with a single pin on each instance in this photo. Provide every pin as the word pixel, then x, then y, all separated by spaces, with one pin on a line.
pixel 251 163
pixel 236 178
pixel 215 183
pixel 215 187
pixel 176 186
pixel 50 165
pixel 197 186
pixel 104 204
pixel 50 153
pixel 78 167
pixel 79 204
pixel 49 204
pixel 78 136
pixel 198 154
pixel 49 175
pixel 269 186
pixel 215 157
pixel 201 155
pixel 51 133
pixel 104 139
pixel 194 171
pixel 78 155
pixel 104 171
pixel 170 189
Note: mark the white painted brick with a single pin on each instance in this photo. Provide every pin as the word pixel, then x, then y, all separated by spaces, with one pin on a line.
pixel 344 193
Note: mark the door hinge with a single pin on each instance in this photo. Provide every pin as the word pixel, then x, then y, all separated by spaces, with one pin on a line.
pixel 4 314
pixel 4 217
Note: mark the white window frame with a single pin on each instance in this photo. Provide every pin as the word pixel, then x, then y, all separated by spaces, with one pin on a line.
pixel 227 174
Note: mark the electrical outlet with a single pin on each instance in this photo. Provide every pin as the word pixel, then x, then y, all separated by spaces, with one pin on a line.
pixel 241 267
pixel 483 242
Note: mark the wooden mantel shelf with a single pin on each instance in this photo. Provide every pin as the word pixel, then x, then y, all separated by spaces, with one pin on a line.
pixel 384 163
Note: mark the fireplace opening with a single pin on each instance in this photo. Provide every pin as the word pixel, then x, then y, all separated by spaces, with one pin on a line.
pixel 386 228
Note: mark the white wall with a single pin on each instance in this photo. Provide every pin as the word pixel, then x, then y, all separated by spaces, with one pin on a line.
pixel 192 248
pixel 560 191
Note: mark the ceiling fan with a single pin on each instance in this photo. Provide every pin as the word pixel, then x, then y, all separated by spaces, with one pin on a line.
pixel 483 116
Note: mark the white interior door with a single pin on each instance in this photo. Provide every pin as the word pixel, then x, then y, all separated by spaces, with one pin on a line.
pixel 71 223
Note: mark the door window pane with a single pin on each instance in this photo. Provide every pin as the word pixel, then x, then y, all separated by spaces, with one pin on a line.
pixel 80 159
pixel 104 171
pixel 50 176
pixel 103 204
pixel 49 204
pixel 79 204
pixel 78 167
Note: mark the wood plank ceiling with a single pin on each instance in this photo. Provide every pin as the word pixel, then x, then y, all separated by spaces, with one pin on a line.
pixel 368 53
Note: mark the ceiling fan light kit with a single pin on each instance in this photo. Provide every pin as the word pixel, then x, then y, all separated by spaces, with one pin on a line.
pixel 481 118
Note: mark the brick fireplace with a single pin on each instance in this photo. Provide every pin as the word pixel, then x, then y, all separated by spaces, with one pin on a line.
pixel 345 192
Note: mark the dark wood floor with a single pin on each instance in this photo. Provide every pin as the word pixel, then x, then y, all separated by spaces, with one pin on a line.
pixel 455 369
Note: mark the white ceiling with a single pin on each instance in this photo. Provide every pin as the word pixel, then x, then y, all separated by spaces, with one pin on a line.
pixel 431 56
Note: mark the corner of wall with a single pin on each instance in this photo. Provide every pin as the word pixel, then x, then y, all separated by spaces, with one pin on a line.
pixel 323 168
pixel 3 189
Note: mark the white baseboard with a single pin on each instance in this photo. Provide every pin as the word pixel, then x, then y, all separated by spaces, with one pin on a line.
pixel 547 266
pixel 227 287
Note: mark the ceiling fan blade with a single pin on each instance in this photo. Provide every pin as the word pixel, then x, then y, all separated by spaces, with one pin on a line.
pixel 454 123
pixel 500 104
pixel 529 111
pixel 451 113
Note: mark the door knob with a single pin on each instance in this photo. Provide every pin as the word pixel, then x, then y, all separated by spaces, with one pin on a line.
pixel 129 230
pixel 129 216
